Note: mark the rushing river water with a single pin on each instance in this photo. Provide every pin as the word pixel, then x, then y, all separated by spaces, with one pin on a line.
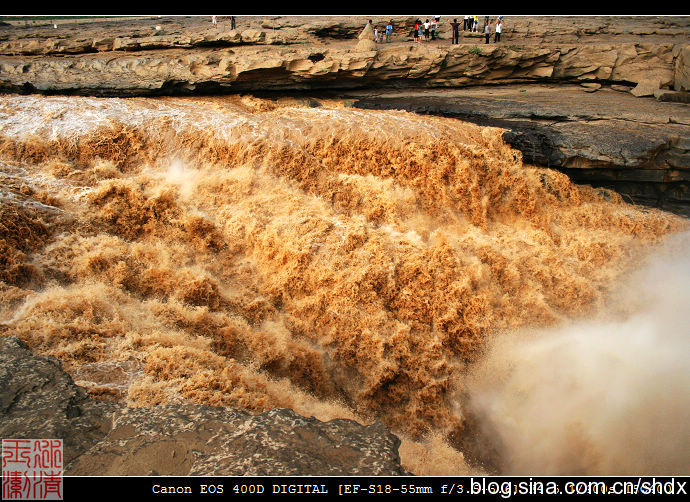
pixel 372 265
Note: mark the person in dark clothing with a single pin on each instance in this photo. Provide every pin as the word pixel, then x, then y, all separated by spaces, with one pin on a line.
pixel 232 22
pixel 456 31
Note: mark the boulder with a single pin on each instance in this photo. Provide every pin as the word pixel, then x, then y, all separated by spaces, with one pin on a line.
pixel 646 87
pixel 365 45
pixel 673 96
pixel 681 80
pixel 253 36
pixel 590 86
pixel 230 37
pixel 103 44
pixel 367 33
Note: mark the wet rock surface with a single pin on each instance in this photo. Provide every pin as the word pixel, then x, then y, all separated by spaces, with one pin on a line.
pixel 39 400
pixel 201 440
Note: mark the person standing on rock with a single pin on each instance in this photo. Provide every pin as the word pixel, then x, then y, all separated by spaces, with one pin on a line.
pixel 420 32
pixel 499 29
pixel 427 25
pixel 389 30
pixel 434 25
pixel 456 31
pixel 232 22
pixel 487 31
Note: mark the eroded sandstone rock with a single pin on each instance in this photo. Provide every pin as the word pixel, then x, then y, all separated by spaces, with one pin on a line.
pixel 647 87
pixel 125 73
pixel 682 70
pixel 133 58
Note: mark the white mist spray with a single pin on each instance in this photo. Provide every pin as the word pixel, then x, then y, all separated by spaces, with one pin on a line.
pixel 608 396
pixel 183 176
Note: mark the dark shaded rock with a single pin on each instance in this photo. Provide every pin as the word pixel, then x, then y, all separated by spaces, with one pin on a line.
pixel 202 440
pixel 38 400
pixel 538 145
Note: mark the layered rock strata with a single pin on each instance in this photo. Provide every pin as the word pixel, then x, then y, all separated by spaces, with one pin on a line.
pixel 132 34
pixel 256 68
pixel 188 54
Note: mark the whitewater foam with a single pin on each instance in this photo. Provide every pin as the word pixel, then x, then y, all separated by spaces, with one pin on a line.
pixel 254 253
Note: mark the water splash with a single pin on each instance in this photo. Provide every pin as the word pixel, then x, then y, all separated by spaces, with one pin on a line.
pixel 254 253
pixel 602 396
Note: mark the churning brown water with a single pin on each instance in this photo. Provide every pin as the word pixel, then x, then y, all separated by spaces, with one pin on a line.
pixel 373 265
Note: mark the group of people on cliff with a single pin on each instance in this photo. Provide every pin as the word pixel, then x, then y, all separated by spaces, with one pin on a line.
pixel 471 24
pixel 428 30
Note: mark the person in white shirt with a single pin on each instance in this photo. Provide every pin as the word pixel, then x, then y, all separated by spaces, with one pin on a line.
pixel 499 28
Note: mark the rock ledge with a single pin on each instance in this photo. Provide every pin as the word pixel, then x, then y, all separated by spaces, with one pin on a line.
pixel 39 400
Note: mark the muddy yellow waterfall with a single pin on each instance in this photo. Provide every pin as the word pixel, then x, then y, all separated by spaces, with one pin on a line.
pixel 346 263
